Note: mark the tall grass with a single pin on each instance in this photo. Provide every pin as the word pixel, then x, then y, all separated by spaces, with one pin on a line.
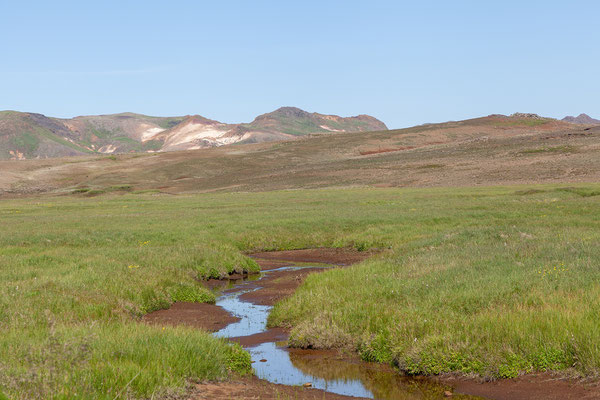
pixel 479 281
pixel 466 282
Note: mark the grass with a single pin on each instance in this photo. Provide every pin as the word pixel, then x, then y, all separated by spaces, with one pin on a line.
pixel 51 136
pixel 483 282
pixel 27 142
pixel 431 166
pixel 553 149
pixel 580 191
pixel 76 274
pixel 98 191
pixel 486 281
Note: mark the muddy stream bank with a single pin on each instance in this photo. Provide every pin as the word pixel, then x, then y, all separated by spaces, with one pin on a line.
pixel 240 315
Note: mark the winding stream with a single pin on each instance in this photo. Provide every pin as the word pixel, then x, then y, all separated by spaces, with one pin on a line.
pixel 274 362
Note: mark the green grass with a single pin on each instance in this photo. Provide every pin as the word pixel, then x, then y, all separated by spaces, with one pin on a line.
pixel 466 283
pixel 152 145
pixel 98 191
pixel 49 135
pixel 26 142
pixel 431 166
pixel 100 133
pixel 167 123
pixel 554 149
pixel 76 274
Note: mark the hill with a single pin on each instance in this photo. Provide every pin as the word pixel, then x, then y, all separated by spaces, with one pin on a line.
pixel 490 150
pixel 30 135
pixel 582 119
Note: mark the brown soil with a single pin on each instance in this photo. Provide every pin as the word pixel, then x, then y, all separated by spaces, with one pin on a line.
pixel 199 315
pixel 534 386
pixel 253 388
pixel 277 285
pixel 271 335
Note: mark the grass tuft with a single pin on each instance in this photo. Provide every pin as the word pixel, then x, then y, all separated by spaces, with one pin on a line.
pixel 556 149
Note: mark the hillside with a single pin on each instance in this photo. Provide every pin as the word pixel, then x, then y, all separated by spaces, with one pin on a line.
pixel 490 150
pixel 582 119
pixel 296 122
pixel 29 135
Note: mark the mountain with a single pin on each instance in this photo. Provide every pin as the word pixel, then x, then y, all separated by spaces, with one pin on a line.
pixel 492 150
pixel 30 135
pixel 582 119
pixel 285 123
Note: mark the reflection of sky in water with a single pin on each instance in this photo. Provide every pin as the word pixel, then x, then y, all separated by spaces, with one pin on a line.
pixel 253 317
pixel 279 369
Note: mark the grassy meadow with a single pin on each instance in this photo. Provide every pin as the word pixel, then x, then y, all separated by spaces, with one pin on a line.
pixel 487 281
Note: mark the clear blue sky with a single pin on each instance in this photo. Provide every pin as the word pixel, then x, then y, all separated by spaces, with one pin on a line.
pixel 404 62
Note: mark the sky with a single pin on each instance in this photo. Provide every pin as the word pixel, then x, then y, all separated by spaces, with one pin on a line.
pixel 404 62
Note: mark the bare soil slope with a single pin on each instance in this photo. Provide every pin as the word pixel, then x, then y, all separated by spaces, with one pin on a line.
pixel 483 151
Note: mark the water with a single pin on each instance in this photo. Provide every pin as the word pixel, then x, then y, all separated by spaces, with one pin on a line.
pixel 324 370
pixel 253 317
pixel 279 368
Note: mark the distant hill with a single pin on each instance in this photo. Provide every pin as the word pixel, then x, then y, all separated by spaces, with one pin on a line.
pixel 30 135
pixel 492 150
pixel 582 119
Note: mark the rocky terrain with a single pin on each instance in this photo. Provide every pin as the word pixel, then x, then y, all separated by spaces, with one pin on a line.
pixel 30 135
pixel 583 119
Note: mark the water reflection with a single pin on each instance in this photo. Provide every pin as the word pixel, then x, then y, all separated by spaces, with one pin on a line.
pixel 379 380
pixel 253 317
pixel 279 369
pixel 324 370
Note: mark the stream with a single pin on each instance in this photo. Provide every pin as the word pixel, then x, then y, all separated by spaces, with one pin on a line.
pixel 326 370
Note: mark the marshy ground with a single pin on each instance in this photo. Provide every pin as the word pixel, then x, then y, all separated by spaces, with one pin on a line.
pixel 492 282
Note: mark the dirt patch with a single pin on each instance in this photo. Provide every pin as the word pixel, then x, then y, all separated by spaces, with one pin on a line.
pixel 534 386
pixel 271 335
pixel 254 388
pixel 277 285
pixel 337 256
pixel 198 315
pixel 213 283
pixel 266 265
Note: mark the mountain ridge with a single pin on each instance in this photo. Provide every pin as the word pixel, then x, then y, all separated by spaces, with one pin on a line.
pixel 25 135
pixel 583 119
pixel 491 150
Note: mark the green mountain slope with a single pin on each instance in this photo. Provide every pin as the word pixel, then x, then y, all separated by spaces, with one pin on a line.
pixel 294 121
pixel 27 135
